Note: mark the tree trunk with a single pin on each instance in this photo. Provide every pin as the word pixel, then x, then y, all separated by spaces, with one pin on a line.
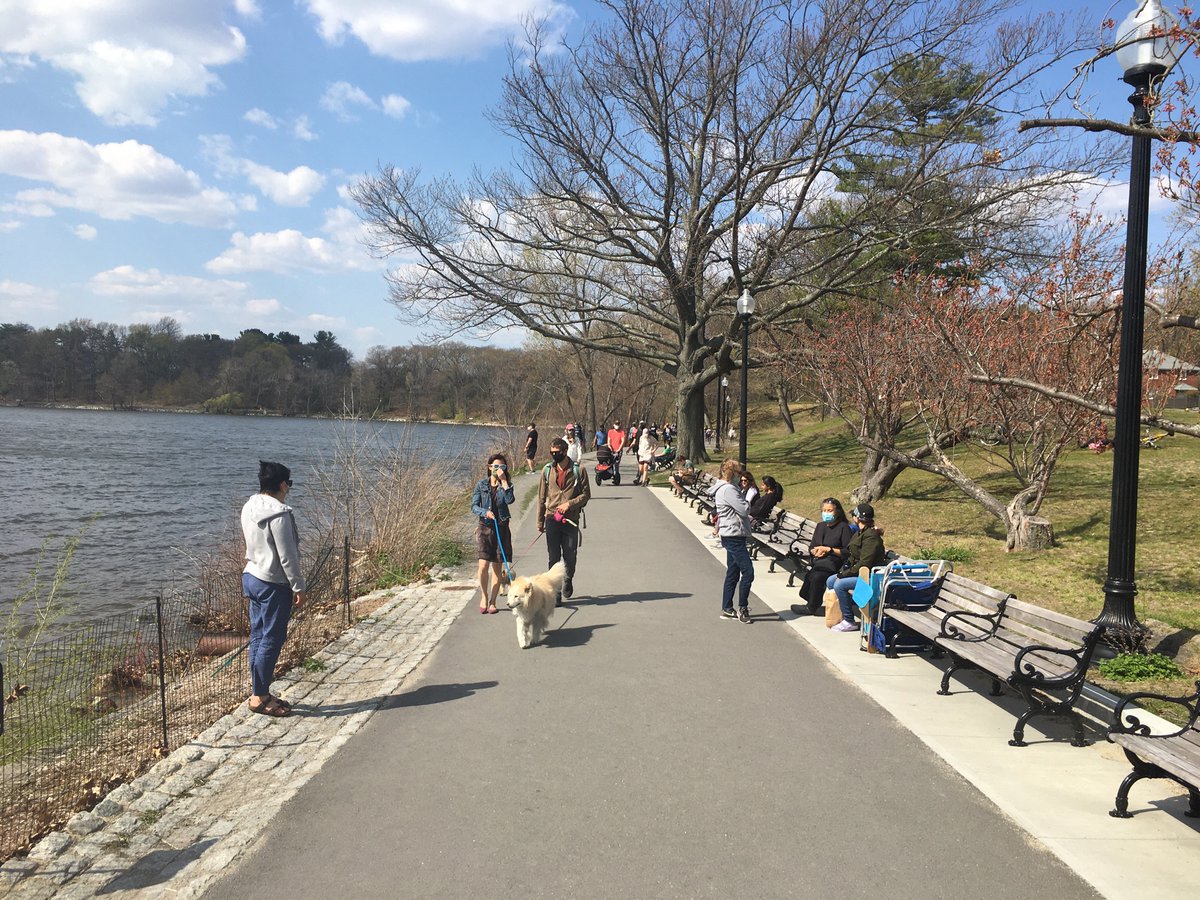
pixel 691 424
pixel 878 477
pixel 785 412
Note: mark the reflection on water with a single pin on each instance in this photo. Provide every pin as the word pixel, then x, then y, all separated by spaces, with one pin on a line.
pixel 158 487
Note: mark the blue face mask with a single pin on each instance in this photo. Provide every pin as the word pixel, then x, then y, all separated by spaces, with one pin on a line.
pixel 827 517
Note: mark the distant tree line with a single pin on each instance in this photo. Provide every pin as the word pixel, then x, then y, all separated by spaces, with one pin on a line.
pixel 137 366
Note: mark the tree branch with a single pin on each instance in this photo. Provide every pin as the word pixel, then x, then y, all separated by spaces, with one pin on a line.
pixel 1162 134
pixel 1103 409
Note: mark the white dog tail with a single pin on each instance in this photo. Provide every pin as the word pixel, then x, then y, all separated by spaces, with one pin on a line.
pixel 558 574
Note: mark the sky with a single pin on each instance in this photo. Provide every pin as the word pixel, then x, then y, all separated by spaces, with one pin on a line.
pixel 192 158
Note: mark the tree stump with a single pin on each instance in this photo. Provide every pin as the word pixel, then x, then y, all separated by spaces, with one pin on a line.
pixel 1035 533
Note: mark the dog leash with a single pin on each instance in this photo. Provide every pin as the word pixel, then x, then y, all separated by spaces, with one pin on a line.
pixel 500 544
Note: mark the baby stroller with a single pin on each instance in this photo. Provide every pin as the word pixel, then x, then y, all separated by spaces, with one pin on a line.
pixel 664 460
pixel 608 465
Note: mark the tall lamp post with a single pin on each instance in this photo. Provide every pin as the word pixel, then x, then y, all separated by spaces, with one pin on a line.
pixel 1144 54
pixel 745 308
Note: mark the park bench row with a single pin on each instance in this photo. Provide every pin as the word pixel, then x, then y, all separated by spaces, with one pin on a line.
pixel 1041 654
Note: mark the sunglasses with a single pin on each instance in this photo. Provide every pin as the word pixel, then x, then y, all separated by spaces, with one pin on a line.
pixel 288 482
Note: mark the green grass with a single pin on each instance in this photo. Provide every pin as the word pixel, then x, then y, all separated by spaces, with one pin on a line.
pixel 924 512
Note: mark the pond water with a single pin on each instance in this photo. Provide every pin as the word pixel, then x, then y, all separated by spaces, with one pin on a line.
pixel 148 490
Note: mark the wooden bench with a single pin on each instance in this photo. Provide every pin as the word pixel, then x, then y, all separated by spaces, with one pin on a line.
pixel 786 543
pixel 1042 654
pixel 697 491
pixel 1175 755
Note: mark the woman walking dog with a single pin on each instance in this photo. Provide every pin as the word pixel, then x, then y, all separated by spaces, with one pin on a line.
pixel 493 541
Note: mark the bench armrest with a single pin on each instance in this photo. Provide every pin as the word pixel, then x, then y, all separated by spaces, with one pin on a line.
pixel 950 630
pixel 1125 722
pixel 1028 673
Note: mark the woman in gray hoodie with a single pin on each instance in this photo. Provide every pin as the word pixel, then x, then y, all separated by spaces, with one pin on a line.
pixel 272 580
pixel 733 527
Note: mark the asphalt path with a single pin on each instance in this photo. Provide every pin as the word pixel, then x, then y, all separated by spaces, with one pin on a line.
pixel 647 748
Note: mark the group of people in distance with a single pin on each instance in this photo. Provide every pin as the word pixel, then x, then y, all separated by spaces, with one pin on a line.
pixel 274 584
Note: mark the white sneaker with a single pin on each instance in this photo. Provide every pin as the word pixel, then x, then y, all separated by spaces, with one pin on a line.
pixel 844 627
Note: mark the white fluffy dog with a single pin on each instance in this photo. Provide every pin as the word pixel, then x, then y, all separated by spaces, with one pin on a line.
pixel 532 602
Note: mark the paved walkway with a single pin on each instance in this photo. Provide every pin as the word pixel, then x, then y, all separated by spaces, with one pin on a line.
pixel 647 748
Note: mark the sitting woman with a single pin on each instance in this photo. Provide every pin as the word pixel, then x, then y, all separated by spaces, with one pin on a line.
pixel 830 544
pixel 685 474
pixel 749 487
pixel 764 504
pixel 866 549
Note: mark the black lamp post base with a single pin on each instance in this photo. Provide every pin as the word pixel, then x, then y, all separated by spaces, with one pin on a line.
pixel 1122 631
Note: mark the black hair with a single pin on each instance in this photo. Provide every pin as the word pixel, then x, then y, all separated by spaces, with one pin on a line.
pixel 487 470
pixel 558 444
pixel 271 475
pixel 839 513
pixel 775 487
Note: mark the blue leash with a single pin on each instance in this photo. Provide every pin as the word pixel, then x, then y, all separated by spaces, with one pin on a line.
pixel 500 544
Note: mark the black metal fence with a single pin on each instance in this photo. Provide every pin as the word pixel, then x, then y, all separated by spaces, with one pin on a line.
pixel 88 710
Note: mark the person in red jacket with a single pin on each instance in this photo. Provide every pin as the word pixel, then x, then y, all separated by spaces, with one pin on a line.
pixel 616 441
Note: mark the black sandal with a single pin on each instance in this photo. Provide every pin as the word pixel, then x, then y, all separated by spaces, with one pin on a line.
pixel 271 708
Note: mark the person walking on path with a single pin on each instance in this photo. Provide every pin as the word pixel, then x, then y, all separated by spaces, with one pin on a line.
pixel 531 439
pixel 733 527
pixel 493 540
pixel 563 491
pixel 866 549
pixel 574 445
pixel 647 443
pixel 272 580
pixel 616 443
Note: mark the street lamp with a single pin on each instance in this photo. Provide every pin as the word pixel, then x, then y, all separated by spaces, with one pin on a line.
pixel 722 392
pixel 1144 53
pixel 745 308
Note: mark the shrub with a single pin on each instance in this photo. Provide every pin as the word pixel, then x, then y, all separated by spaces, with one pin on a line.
pixel 1139 667
pixel 950 553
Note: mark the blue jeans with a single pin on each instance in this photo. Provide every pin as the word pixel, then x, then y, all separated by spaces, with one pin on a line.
pixel 270 609
pixel 738 567
pixel 843 587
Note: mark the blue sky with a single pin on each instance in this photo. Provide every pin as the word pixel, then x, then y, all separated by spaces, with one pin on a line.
pixel 190 158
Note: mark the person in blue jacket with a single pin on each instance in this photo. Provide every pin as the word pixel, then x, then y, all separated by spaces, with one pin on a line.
pixel 493 541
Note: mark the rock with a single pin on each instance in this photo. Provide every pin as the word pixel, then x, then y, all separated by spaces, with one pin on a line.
pixel 84 823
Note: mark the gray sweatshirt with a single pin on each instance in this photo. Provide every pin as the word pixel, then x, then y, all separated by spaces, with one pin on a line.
pixel 733 512
pixel 272 545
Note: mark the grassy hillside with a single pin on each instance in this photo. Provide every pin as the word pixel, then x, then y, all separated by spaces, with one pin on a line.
pixel 924 511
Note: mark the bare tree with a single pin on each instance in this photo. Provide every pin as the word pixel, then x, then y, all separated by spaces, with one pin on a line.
pixel 689 146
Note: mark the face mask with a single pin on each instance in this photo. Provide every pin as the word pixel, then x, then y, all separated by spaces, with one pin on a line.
pixel 827 517
pixel 558 457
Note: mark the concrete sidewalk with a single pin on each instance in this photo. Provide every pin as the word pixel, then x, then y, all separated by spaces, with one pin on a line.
pixel 646 749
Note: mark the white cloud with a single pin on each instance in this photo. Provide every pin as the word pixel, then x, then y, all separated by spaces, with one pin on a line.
pixel 85 232
pixel 294 188
pixel 302 129
pixel 396 106
pixel 290 251
pixel 114 181
pixel 18 300
pixel 9 225
pixel 130 58
pixel 429 29
pixel 341 96
pixel 248 9
pixel 262 307
pixel 127 281
pixel 261 117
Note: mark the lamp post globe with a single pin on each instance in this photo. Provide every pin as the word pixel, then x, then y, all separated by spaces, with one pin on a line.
pixel 745 308
pixel 1145 52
